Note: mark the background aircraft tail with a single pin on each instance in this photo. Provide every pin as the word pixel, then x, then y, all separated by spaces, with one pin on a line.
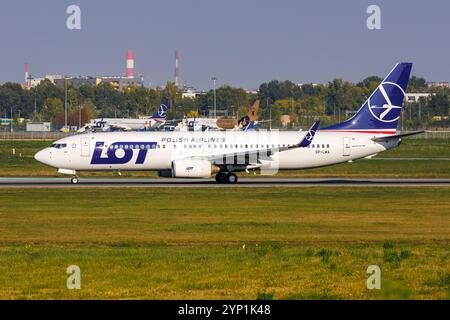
pixel 248 121
pixel 381 111
pixel 162 110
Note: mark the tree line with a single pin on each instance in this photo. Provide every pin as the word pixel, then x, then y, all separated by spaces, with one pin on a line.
pixel 332 102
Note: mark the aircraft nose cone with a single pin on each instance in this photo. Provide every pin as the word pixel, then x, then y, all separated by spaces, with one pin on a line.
pixel 41 156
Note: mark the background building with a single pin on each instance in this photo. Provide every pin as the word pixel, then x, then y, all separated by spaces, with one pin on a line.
pixel 118 82
pixel 76 82
pixel 39 126
pixel 414 97
pixel 191 92
pixel 442 84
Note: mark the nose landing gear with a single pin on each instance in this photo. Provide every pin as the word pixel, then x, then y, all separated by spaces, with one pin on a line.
pixel 223 177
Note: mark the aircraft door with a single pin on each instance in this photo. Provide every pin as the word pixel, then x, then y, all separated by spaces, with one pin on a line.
pixel 347 146
pixel 85 147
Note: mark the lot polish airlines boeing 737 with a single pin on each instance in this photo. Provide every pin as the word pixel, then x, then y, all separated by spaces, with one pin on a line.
pixel 221 153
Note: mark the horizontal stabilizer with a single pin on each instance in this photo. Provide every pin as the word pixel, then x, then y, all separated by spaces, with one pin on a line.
pixel 396 136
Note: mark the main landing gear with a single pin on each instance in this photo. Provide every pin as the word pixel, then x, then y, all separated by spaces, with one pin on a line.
pixel 74 180
pixel 223 177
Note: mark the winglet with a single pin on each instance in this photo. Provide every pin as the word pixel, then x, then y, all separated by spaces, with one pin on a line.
pixel 306 141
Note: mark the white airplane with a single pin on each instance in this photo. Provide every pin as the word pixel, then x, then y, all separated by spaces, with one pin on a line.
pixel 371 130
pixel 116 124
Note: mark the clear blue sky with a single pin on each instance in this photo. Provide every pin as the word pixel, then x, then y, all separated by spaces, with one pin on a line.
pixel 242 42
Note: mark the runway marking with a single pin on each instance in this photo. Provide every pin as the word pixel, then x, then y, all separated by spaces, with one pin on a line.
pixel 18 183
pixel 411 159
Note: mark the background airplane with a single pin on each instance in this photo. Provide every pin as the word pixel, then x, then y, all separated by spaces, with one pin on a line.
pixel 245 123
pixel 157 120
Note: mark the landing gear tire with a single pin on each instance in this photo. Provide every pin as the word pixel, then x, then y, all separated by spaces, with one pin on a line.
pixel 74 180
pixel 221 177
pixel 232 178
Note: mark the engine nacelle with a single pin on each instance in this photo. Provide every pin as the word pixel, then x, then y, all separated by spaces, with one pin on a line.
pixel 193 169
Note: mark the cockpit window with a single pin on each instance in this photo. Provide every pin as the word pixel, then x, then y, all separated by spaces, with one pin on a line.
pixel 58 145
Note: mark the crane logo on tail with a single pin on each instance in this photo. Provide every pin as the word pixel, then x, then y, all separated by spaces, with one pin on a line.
pixel 162 110
pixel 380 105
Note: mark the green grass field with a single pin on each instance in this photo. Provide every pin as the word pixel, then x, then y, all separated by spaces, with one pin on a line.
pixel 300 243
pixel 23 164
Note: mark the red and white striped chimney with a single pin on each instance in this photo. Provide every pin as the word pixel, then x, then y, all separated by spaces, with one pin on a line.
pixel 130 64
pixel 177 68
pixel 26 76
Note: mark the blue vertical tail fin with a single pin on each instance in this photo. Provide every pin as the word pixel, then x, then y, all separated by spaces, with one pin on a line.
pixel 381 111
pixel 162 110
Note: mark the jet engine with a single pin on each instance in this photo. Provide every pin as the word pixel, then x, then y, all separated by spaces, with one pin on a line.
pixel 193 168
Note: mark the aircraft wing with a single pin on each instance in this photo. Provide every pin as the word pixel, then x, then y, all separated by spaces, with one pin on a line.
pixel 396 136
pixel 266 153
